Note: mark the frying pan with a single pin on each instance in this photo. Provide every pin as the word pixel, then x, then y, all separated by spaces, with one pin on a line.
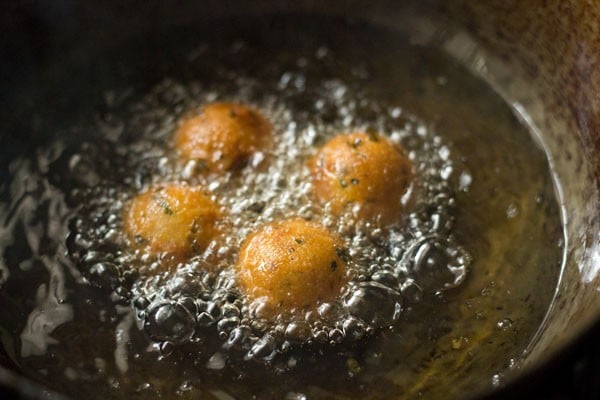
pixel 545 57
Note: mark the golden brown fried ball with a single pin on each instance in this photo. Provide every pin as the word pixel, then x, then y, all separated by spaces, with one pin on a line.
pixel 174 218
pixel 223 136
pixel 291 265
pixel 364 169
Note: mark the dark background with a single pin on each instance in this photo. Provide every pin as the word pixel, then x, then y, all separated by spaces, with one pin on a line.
pixel 34 34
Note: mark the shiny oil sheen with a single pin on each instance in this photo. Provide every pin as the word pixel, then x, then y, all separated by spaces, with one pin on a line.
pixel 439 304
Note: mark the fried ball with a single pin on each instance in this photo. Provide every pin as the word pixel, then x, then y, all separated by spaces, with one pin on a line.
pixel 175 219
pixel 291 265
pixel 364 169
pixel 223 136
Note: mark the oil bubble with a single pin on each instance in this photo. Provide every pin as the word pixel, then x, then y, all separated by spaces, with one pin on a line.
pixel 411 291
pixel 297 330
pixel 166 348
pixel 170 321
pixel 216 361
pixel 264 349
pixel 437 264
pixel 504 324
pixel 374 303
pixel 104 275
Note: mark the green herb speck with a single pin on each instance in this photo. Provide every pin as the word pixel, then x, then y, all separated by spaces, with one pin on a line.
pixel 162 203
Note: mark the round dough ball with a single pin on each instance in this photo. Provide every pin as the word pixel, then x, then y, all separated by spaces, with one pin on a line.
pixel 174 218
pixel 223 135
pixel 291 265
pixel 364 169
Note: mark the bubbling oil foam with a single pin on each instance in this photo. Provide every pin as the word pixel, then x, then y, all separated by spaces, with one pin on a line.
pixel 389 268
pixel 103 321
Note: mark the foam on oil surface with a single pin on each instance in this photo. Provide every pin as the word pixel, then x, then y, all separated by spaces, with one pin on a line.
pixel 389 268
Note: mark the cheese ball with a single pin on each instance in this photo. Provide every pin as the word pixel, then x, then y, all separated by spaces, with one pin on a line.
pixel 291 265
pixel 174 218
pixel 362 169
pixel 223 135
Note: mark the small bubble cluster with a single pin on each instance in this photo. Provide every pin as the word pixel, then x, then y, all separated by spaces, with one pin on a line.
pixel 390 268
